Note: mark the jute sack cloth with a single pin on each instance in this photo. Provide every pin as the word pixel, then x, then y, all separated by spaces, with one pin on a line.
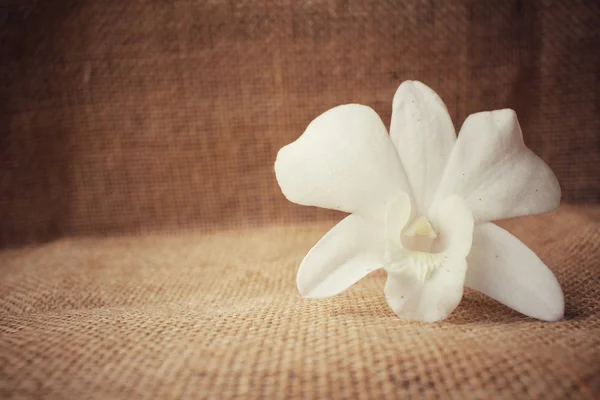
pixel 127 116
pixel 218 316
pixel 124 117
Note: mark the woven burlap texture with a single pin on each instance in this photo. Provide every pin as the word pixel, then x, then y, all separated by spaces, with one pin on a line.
pixel 219 316
pixel 164 118
pixel 123 116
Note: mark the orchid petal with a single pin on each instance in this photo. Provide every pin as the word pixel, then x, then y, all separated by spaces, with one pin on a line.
pixel 427 287
pixel 345 160
pixel 455 223
pixel 398 214
pixel 423 135
pixel 496 174
pixel 505 269
pixel 348 252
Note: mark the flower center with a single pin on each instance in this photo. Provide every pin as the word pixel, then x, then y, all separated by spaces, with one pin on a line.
pixel 419 235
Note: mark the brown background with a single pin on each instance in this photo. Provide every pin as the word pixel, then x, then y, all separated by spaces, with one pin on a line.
pixel 164 117
pixel 123 116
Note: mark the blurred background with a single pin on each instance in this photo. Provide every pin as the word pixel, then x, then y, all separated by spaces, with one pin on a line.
pixel 118 117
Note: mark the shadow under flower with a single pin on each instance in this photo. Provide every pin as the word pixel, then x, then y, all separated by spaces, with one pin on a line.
pixel 476 309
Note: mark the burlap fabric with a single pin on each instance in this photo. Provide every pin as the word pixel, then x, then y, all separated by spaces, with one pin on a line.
pixel 123 116
pixel 219 316
pixel 137 141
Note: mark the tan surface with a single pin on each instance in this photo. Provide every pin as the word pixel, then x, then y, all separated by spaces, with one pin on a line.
pixel 218 316
pixel 124 116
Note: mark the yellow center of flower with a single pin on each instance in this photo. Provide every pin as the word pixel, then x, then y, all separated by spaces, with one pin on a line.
pixel 419 235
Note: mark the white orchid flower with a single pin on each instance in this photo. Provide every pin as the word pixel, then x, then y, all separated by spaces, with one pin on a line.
pixel 421 201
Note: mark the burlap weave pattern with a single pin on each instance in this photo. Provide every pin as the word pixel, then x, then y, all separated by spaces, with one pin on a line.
pixel 148 251
pixel 143 115
pixel 219 316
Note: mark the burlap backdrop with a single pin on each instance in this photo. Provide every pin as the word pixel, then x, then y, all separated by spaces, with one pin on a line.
pixel 120 116
pixel 131 116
